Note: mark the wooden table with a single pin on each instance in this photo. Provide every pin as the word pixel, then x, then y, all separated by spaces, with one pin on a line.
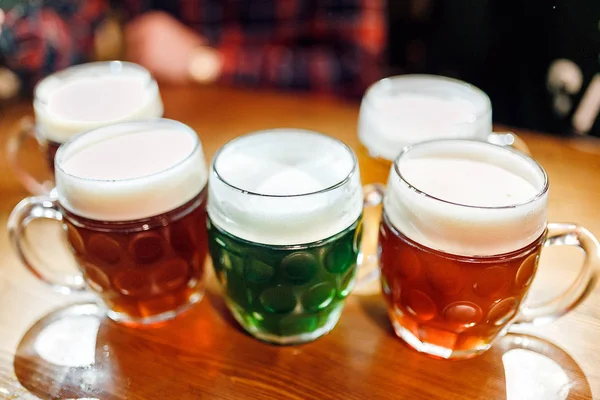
pixel 203 354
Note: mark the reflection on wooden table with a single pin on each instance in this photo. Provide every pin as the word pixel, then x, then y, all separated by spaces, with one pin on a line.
pixel 59 351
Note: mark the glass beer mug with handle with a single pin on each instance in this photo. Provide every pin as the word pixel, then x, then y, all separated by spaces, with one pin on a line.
pixel 285 226
pixel 464 223
pixel 131 198
pixel 407 109
pixel 75 100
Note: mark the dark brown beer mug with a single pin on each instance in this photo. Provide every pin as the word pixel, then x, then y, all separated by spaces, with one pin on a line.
pixel 463 226
pixel 76 100
pixel 132 200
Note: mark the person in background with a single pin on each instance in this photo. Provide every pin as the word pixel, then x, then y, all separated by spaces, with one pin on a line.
pixel 325 46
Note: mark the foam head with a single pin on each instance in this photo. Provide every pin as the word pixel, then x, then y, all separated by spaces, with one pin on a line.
pixel 408 109
pixel 284 187
pixel 130 171
pixel 91 95
pixel 467 198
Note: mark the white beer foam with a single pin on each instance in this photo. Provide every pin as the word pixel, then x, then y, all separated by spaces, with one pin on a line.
pixel 92 95
pixel 130 171
pixel 267 166
pixel 408 109
pixel 485 200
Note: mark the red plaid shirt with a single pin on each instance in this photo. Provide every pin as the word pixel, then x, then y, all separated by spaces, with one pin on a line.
pixel 330 46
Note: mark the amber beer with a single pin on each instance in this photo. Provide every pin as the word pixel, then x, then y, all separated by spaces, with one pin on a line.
pixel 376 169
pixel 141 273
pixel 402 110
pixel 454 303
pixel 132 198
pixel 81 98
pixel 463 226
pixel 50 148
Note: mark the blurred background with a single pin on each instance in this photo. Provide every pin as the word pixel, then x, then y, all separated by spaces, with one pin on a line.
pixel 538 60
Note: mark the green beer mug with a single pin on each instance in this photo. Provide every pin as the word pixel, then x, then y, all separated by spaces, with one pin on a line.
pixel 285 225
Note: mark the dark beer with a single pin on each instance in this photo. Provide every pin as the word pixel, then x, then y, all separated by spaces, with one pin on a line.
pixel 132 198
pixel 143 270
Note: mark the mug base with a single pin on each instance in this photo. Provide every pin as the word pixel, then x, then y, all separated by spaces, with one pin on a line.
pixel 152 320
pixel 434 350
pixel 285 340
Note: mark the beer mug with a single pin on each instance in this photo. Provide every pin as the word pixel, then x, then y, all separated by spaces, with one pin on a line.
pixel 131 198
pixel 407 109
pixel 284 226
pixel 463 226
pixel 78 99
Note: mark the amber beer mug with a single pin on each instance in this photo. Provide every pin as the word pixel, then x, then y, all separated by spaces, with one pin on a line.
pixel 402 110
pixel 463 226
pixel 75 100
pixel 132 201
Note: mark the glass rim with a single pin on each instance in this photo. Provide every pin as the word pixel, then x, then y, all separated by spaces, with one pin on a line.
pixel 530 160
pixel 153 122
pixel 347 177
pixel 67 73
pixel 436 78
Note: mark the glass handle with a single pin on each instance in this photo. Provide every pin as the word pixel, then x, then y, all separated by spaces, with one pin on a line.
pixel 368 261
pixel 27 211
pixel 16 140
pixel 509 139
pixel 567 235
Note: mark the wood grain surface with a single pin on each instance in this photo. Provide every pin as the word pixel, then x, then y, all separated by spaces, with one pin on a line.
pixel 45 339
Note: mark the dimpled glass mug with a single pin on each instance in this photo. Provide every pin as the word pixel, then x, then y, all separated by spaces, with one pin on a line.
pixel 285 225
pixel 132 200
pixel 463 226
pixel 78 99
pixel 407 109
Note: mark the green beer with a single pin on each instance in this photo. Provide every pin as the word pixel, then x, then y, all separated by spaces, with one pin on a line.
pixel 285 225
pixel 296 292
